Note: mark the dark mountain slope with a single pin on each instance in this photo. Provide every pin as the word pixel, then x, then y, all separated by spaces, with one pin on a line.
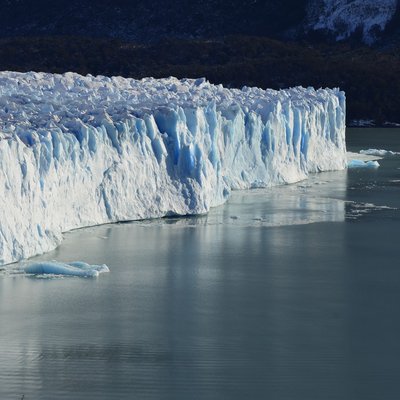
pixel 140 20
pixel 370 79
pixel 145 21
pixel 225 41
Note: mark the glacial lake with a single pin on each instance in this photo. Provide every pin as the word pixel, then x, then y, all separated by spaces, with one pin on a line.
pixel 286 293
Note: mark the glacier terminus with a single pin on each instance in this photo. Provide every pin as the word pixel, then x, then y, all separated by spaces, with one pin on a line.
pixel 78 151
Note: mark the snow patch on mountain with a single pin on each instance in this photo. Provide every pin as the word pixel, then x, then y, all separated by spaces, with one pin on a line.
pixel 77 151
pixel 342 18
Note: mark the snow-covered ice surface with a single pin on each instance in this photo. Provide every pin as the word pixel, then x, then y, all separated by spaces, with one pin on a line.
pixel 344 17
pixel 78 151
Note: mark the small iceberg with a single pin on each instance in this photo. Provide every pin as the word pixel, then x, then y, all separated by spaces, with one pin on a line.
pixel 363 164
pixel 77 268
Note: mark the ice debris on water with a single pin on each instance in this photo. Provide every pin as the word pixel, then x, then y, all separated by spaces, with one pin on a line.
pixel 77 268
pixel 356 210
pixel 379 152
pixel 78 150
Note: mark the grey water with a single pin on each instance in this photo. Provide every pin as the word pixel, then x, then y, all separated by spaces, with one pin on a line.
pixel 286 293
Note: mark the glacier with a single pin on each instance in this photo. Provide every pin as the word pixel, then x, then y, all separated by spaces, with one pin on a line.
pixel 78 151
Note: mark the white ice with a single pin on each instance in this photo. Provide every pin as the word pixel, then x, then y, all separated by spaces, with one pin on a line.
pixel 78 151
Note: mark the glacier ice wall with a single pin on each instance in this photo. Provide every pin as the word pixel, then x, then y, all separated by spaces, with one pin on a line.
pixel 78 151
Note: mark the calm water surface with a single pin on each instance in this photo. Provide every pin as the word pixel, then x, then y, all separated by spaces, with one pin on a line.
pixel 290 293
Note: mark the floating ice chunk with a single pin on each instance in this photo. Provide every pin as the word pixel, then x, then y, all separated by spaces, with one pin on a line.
pixel 77 268
pixel 379 152
pixel 363 164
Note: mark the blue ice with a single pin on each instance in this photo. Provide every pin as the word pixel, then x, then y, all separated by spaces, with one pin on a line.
pixel 363 164
pixel 77 268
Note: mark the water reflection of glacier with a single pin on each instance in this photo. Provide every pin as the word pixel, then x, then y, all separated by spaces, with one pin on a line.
pixel 318 199
pixel 321 198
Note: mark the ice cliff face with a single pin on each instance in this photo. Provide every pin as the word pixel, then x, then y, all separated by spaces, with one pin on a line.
pixel 343 17
pixel 78 151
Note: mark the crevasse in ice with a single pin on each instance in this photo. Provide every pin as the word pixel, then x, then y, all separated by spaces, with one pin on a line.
pixel 78 151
